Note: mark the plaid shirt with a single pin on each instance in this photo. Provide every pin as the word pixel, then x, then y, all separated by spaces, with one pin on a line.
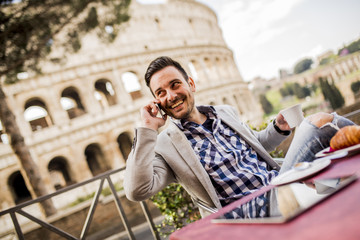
pixel 233 166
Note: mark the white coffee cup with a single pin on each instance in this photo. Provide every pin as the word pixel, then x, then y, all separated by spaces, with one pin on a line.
pixel 293 115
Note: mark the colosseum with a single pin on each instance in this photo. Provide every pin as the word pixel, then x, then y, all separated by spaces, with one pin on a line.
pixel 78 117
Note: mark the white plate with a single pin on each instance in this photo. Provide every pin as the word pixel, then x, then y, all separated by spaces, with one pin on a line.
pixel 350 150
pixel 298 173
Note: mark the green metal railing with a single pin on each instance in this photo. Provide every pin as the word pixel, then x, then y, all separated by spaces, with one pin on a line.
pixel 85 229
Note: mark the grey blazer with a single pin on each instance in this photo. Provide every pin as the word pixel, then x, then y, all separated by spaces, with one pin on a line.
pixel 158 160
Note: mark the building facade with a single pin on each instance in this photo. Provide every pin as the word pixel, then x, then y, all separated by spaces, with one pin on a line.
pixel 79 116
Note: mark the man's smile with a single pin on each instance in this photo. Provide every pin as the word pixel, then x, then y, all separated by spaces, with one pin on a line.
pixel 176 104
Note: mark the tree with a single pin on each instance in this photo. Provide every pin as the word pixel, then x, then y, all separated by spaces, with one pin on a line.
pixel 303 65
pixel 355 87
pixel 332 94
pixel 325 61
pixel 28 32
pixel 301 92
pixel 295 89
pixel 287 90
pixel 266 105
pixel 351 48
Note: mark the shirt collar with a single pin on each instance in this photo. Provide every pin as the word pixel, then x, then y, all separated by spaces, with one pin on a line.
pixel 209 112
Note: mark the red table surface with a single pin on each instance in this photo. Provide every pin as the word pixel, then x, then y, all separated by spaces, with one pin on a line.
pixel 337 217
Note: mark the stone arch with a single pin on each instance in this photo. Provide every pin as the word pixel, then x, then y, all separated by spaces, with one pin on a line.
pixel 71 102
pixel 190 21
pixel 131 84
pixel 18 188
pixel 221 69
pixel 228 66
pixel 59 172
pixel 105 93
pixel 36 113
pixel 3 136
pixel 96 159
pixel 200 70
pixel 125 143
pixel 210 69
pixel 226 101
pixel 157 23
pixel 193 72
pixel 207 68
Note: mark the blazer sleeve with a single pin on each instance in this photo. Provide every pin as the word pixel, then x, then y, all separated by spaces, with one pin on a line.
pixel 146 172
pixel 269 138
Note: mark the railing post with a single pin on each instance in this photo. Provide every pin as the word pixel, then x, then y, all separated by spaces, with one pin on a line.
pixel 121 210
pixel 91 210
pixel 17 226
pixel 149 219
pixel 47 225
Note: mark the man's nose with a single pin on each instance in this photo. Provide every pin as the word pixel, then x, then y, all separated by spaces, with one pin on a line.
pixel 171 95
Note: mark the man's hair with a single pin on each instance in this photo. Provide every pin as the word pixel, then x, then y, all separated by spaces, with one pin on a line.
pixel 161 63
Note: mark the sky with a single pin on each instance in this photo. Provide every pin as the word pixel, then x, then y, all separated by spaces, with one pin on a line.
pixel 268 35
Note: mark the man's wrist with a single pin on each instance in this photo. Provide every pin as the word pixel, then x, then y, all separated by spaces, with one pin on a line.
pixel 286 133
pixel 150 126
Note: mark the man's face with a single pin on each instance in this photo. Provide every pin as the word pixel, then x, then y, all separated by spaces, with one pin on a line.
pixel 174 92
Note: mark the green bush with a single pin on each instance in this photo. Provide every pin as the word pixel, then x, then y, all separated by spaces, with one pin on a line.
pixel 276 153
pixel 177 207
pixel 81 199
pixel 296 89
pixel 105 192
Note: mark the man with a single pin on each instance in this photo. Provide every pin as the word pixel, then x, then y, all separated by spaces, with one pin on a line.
pixel 207 149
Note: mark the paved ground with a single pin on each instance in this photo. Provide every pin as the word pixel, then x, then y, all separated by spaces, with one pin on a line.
pixel 141 232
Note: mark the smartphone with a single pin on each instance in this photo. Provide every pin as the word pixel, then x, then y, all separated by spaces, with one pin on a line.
pixel 162 113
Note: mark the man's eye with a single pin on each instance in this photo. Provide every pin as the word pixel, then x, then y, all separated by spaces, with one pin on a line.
pixel 160 93
pixel 176 84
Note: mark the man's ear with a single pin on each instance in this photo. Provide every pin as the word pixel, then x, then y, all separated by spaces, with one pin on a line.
pixel 192 84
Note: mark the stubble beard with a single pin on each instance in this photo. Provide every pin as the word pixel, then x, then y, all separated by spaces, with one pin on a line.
pixel 190 106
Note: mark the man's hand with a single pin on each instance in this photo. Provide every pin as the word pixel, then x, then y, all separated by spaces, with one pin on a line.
pixel 149 116
pixel 282 123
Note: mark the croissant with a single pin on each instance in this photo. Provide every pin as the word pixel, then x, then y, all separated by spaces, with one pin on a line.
pixel 345 137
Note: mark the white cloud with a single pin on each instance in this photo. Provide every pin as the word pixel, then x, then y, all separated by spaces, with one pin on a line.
pixel 249 20
pixel 266 35
pixel 249 24
pixel 314 52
